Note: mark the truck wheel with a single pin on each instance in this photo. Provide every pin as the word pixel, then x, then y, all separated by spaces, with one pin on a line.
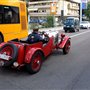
pixel 36 62
pixel 78 30
pixel 66 48
pixel 1 39
pixel 10 50
pixel 73 29
pixel 65 31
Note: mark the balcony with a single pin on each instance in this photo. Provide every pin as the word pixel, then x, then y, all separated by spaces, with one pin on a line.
pixel 73 7
pixel 39 6
pixel 42 1
pixel 39 14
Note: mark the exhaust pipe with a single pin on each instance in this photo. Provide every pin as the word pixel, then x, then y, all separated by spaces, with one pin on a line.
pixel 1 63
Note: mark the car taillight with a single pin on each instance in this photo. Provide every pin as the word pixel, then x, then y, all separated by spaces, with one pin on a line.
pixel 15 64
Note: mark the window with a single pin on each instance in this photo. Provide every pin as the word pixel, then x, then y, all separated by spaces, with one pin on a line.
pixel 43 10
pixel 35 11
pixel 9 15
pixel 1 15
pixel 1 18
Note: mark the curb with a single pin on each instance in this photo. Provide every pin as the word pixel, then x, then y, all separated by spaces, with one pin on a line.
pixel 47 29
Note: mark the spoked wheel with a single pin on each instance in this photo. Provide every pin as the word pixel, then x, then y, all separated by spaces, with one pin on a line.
pixel 66 48
pixel 36 62
pixel 8 54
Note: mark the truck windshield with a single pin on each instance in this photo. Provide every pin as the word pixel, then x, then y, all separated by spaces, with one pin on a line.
pixel 69 21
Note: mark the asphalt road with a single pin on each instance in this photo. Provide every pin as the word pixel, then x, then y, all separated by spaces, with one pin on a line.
pixel 58 72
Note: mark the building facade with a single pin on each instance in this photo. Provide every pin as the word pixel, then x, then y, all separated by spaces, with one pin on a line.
pixel 42 8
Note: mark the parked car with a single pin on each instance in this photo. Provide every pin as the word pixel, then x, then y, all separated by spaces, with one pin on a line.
pixel 71 24
pixel 18 53
pixel 85 25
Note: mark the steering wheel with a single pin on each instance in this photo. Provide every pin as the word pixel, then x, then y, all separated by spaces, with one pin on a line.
pixel 45 36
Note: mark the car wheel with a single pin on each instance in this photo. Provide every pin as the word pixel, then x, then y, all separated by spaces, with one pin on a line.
pixel 66 48
pixel 9 50
pixel 88 28
pixel 36 62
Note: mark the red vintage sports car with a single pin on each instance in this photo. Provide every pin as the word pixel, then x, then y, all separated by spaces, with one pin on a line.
pixel 17 53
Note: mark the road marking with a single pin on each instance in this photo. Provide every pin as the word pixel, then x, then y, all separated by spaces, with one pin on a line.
pixel 79 34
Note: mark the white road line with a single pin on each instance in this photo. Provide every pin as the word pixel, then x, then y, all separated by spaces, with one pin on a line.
pixel 79 34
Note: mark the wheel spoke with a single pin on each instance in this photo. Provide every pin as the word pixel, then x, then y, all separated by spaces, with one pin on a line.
pixel 36 63
pixel 8 51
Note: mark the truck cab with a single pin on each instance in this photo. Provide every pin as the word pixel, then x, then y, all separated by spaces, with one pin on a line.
pixel 71 24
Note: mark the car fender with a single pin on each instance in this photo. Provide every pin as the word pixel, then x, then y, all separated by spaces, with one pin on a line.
pixel 1 44
pixel 30 53
pixel 63 42
pixel 21 52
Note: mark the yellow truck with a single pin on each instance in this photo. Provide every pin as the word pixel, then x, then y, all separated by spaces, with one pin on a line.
pixel 13 20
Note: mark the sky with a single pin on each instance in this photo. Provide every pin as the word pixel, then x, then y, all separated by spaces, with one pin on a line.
pixel 80 1
pixel 77 0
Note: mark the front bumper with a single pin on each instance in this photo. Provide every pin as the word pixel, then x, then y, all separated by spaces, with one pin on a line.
pixel 84 27
pixel 69 28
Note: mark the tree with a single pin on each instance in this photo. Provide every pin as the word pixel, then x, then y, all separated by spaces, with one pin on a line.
pixel 50 21
pixel 87 11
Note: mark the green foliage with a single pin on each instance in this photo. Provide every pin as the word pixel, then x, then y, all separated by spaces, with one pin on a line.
pixel 50 21
pixel 87 11
pixel 48 24
pixel 33 25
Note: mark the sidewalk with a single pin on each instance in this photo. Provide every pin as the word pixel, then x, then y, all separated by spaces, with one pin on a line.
pixel 47 29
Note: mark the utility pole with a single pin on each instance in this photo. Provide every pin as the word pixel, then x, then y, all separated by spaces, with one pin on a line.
pixel 80 11
pixel 62 11
pixel 83 6
pixel 53 10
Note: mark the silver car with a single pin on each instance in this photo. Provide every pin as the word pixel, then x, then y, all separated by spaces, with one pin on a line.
pixel 85 25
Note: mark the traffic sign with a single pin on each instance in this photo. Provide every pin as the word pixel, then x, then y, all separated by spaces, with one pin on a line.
pixel 84 1
pixel 53 8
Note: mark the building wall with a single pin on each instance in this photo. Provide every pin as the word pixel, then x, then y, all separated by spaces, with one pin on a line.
pixel 41 9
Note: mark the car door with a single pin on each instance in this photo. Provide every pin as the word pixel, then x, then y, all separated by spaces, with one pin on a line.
pixel 48 47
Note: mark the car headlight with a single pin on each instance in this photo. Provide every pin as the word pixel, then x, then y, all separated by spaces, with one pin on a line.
pixel 64 25
pixel 72 25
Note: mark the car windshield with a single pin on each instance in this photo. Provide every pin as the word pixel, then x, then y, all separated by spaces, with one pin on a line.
pixel 69 21
pixel 84 22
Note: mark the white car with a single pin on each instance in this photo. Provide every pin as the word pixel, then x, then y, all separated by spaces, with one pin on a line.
pixel 85 25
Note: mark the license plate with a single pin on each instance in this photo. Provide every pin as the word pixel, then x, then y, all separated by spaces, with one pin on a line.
pixel 5 57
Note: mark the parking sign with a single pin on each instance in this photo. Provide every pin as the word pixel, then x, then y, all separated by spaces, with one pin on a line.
pixel 84 4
